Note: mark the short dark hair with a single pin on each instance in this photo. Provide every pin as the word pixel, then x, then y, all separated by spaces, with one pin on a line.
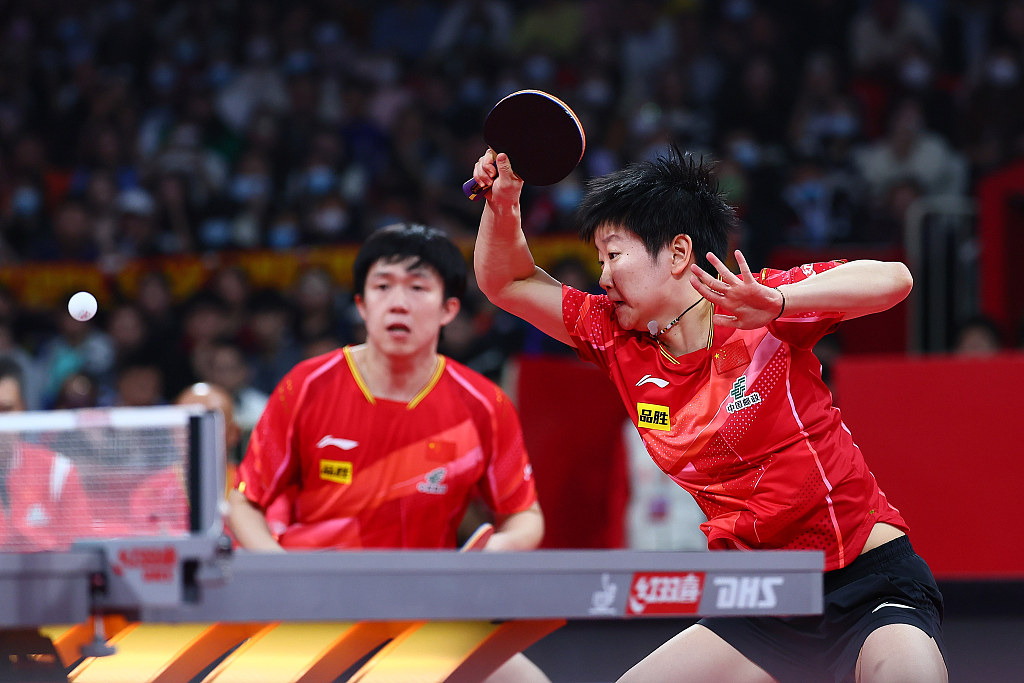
pixel 10 368
pixel 657 200
pixel 429 246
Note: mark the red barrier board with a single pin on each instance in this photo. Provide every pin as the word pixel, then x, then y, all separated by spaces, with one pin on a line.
pixel 572 423
pixel 944 437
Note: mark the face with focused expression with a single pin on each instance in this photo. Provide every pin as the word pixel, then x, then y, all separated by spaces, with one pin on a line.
pixel 404 307
pixel 640 286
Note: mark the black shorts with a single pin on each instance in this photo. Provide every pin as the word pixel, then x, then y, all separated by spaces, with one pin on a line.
pixel 888 585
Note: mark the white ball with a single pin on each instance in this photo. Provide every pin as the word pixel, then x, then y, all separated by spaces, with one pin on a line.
pixel 82 306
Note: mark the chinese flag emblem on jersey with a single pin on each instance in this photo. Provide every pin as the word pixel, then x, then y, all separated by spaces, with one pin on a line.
pixel 731 356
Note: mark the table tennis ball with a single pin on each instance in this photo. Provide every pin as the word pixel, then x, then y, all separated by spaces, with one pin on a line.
pixel 82 306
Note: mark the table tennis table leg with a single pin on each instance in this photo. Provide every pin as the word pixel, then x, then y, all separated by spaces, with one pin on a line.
pixel 68 639
pixel 162 653
pixel 303 652
pixel 452 652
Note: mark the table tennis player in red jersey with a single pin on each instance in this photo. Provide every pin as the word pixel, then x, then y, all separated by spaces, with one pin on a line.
pixel 384 444
pixel 717 373
pixel 43 505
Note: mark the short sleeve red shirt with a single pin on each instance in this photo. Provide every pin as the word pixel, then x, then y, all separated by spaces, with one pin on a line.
pixel 362 472
pixel 47 508
pixel 746 426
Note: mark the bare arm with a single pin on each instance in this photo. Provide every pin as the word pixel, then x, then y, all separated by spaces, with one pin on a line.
pixel 504 267
pixel 853 289
pixel 249 525
pixel 520 531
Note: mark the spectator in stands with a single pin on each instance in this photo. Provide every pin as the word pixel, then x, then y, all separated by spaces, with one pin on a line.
pixel 232 285
pixel 78 390
pixel 72 237
pixel 129 333
pixel 138 235
pixel 139 381
pixel 78 345
pixel 229 371
pixel 317 310
pixel 42 503
pixel 911 151
pixel 11 350
pixel 990 131
pixel 274 350
pixel 881 29
pixel 159 504
pixel 977 337
pixel 204 321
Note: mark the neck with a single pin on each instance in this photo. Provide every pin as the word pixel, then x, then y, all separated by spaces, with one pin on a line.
pixel 691 333
pixel 394 377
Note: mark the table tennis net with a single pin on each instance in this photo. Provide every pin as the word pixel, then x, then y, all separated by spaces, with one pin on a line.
pixel 68 476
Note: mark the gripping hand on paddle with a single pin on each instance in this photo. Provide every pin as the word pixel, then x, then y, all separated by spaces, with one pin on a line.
pixel 495 171
pixel 747 304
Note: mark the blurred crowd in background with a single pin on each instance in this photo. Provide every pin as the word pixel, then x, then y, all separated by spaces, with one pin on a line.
pixel 132 129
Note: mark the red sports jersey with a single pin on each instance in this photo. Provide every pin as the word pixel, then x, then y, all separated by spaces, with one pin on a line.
pixel 159 504
pixel 747 426
pixel 373 473
pixel 46 507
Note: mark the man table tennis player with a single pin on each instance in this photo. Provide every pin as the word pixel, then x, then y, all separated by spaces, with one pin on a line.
pixel 43 505
pixel 384 444
pixel 717 374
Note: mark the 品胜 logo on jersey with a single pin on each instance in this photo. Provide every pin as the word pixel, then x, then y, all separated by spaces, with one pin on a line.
pixel 338 471
pixel 433 482
pixel 652 416
pixel 739 399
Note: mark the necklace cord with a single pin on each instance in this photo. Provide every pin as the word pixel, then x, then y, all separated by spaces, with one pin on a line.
pixel 678 318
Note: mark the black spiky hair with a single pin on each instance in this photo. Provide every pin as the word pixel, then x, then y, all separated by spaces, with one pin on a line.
pixel 657 200
pixel 427 245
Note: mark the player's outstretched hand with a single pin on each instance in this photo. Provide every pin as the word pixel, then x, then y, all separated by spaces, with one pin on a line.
pixel 495 171
pixel 748 303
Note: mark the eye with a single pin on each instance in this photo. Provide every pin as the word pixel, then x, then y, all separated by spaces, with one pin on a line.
pixel 612 255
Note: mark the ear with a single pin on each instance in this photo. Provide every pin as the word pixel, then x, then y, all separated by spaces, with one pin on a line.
pixel 451 307
pixel 681 251
pixel 360 306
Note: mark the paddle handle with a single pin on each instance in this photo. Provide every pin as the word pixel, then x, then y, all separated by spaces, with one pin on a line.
pixel 473 191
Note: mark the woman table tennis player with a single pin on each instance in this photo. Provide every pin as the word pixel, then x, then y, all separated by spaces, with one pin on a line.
pixel 733 409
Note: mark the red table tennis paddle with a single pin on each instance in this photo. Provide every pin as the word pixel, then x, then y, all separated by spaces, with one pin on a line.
pixel 479 538
pixel 541 135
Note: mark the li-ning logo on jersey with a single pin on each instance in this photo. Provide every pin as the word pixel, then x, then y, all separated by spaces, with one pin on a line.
pixel 657 381
pixel 433 483
pixel 652 416
pixel 343 444
pixel 739 401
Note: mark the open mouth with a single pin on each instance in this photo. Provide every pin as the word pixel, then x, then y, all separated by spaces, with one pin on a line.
pixel 398 328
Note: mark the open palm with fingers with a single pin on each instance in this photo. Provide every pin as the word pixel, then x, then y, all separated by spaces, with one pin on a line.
pixel 747 303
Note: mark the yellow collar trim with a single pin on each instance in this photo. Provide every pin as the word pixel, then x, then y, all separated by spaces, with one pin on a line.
pixel 422 394
pixel 434 379
pixel 358 377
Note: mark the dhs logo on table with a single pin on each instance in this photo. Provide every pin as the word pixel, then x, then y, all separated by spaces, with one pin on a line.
pixel 665 593
pixel 746 592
